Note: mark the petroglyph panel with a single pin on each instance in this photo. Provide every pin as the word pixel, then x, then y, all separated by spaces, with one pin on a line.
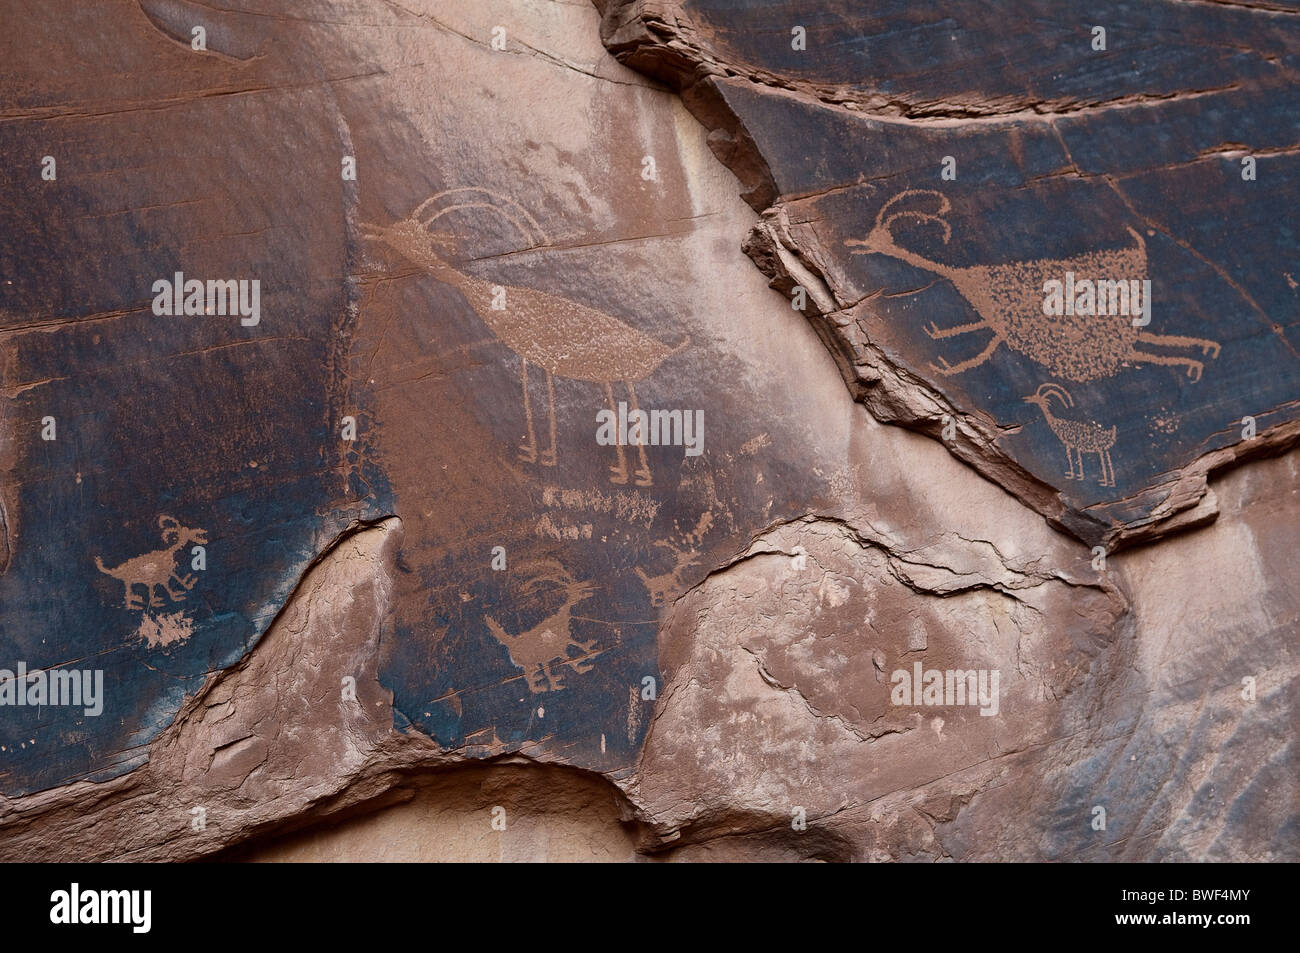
pixel 927 174
pixel 391 412
pixel 446 306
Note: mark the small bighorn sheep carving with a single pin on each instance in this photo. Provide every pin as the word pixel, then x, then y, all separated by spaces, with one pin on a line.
pixel 157 570
pixel 1079 436
pixel 672 582
pixel 549 641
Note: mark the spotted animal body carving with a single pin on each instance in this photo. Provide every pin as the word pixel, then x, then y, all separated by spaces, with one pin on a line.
pixel 1009 301
pixel 562 337
pixel 1077 436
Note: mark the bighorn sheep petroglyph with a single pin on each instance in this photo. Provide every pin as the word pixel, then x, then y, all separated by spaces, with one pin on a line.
pixel 156 570
pixel 1009 300
pixel 661 587
pixel 1078 436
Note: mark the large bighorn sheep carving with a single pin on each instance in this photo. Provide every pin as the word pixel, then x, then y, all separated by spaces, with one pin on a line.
pixel 1009 300
pixel 562 337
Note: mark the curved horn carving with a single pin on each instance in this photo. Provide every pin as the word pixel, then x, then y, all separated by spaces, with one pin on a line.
pixel 473 197
pixel 1048 390
pixel 944 207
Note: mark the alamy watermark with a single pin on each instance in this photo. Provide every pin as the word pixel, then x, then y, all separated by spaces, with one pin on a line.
pixel 1103 296
pixel 193 297
pixel 946 688
pixel 654 428
pixel 82 688
pixel 75 906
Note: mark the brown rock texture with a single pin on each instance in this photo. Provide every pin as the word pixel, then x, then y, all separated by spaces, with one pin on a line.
pixel 364 582
pixel 847 125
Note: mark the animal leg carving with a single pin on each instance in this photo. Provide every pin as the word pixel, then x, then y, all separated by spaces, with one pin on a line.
pixel 130 602
pixel 528 453
pixel 548 456
pixel 618 474
pixel 643 475
pixel 1069 458
pixel 1194 367
pixel 1207 346
pixel 943 367
pixel 938 333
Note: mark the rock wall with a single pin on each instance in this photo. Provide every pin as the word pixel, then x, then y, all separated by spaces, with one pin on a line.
pixel 363 579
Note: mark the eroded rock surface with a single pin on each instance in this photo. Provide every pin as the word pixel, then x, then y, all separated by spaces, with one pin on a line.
pixel 475 604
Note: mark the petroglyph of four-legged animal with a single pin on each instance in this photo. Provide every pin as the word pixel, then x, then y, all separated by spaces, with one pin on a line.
pixel 1077 436
pixel 546 645
pixel 1009 301
pixel 562 337
pixel 157 570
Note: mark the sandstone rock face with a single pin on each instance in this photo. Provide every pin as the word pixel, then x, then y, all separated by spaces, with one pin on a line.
pixel 923 174
pixel 362 578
